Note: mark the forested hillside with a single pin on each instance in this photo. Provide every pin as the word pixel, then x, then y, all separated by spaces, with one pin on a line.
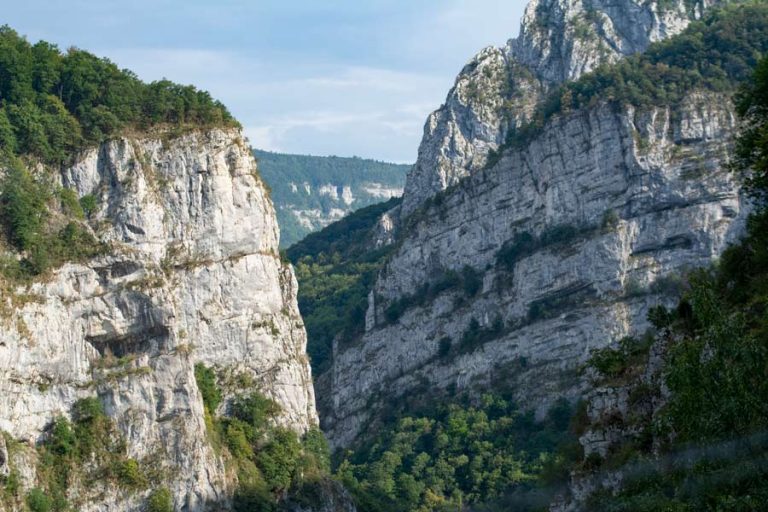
pixel 310 192
pixel 336 268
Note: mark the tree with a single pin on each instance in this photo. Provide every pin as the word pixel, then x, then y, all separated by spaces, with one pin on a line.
pixel 751 152
pixel 23 208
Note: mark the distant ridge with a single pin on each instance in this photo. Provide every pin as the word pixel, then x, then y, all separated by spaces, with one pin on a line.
pixel 310 192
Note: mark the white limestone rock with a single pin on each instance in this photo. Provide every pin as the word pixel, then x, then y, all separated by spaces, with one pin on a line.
pixel 650 195
pixel 498 90
pixel 193 275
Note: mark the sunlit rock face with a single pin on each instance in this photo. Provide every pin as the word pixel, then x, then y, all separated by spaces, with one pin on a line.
pixel 618 200
pixel 499 88
pixel 193 275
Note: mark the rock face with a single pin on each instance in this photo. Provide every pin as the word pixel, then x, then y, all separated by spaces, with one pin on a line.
pixel 613 202
pixel 193 275
pixel 499 89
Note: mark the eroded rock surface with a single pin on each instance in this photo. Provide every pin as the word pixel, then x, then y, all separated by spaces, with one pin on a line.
pixel 193 275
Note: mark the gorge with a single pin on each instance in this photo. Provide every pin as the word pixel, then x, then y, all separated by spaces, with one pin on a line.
pixel 523 330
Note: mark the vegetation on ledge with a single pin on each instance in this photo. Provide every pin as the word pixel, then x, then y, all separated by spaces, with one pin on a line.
pixel 272 462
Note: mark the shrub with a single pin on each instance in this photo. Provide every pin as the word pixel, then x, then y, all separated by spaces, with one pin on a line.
pixel 317 451
pixel 130 474
pixel 70 204
pixel 279 459
pixel 252 499
pixel 88 204
pixel 559 235
pixel 62 439
pixel 475 335
pixel 521 245
pixel 38 501
pixel 255 409
pixel 160 500
pixel 206 383
pixel 610 220
pixel 628 355
pixel 472 281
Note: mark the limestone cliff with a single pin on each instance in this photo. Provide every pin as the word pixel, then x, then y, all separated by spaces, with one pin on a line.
pixel 499 88
pixel 192 275
pixel 618 201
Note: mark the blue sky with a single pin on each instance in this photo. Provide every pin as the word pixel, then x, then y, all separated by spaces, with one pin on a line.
pixel 322 77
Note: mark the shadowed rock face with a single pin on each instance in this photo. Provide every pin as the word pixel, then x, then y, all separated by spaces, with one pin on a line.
pixel 193 275
pixel 618 201
pixel 499 88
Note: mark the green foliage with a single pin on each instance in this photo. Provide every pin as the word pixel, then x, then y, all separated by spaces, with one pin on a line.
pixel 610 220
pixel 130 474
pixel 469 281
pixel 279 459
pixel 476 335
pixel 23 208
pixel 281 171
pixel 521 245
pixel 472 281
pixel 336 269
pixel 317 451
pixel 271 461
pixel 458 453
pixel 56 103
pixel 89 204
pixel 37 501
pixel 26 217
pixel 621 361
pixel 70 204
pixel 444 346
pixel 87 448
pixel 160 500
pixel 206 383
pixel 254 409
pixel 524 244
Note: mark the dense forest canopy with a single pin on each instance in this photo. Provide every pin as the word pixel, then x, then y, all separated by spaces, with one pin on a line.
pixel 53 103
